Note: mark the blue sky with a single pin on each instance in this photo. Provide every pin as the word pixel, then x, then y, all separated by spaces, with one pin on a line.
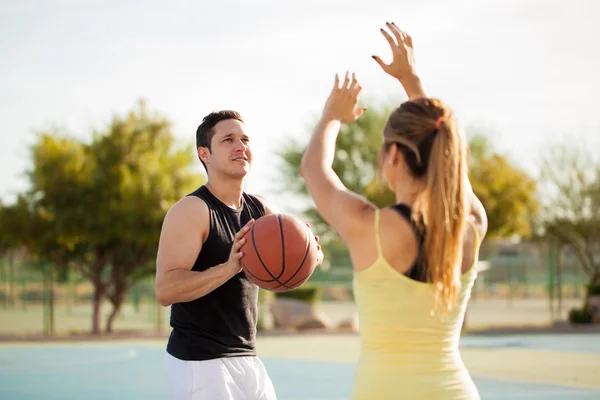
pixel 524 71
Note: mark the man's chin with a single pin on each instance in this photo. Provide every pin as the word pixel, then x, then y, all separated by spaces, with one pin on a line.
pixel 240 173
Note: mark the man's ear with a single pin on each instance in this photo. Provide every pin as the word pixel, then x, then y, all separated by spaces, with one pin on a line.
pixel 204 154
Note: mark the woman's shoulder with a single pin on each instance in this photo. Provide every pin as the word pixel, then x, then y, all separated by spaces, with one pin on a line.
pixel 478 216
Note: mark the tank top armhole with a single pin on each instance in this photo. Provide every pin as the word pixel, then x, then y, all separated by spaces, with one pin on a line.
pixel 256 201
pixel 210 214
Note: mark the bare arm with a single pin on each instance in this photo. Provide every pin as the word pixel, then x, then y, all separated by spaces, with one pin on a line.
pixel 479 214
pixel 344 210
pixel 184 230
pixel 403 65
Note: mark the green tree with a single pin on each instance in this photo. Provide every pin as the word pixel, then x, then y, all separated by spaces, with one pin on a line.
pixel 107 199
pixel 356 159
pixel 145 174
pixel 9 244
pixel 507 192
pixel 7 238
pixel 29 227
pixel 571 206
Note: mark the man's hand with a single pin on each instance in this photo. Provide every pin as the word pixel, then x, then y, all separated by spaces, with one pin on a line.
pixel 403 65
pixel 233 264
pixel 321 256
pixel 342 104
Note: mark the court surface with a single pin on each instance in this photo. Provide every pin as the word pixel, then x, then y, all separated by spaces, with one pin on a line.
pixel 301 367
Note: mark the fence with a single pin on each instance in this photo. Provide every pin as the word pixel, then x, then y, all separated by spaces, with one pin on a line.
pixel 34 301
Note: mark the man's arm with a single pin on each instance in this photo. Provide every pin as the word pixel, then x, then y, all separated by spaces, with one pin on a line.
pixel 184 230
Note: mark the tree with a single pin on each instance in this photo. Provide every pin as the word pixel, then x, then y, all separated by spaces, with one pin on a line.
pixel 507 193
pixel 29 227
pixel 571 206
pixel 107 199
pixel 146 175
pixel 8 246
pixel 7 238
pixel 356 159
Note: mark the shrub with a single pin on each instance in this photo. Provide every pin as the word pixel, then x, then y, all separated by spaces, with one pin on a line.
pixel 308 294
pixel 594 289
pixel 580 315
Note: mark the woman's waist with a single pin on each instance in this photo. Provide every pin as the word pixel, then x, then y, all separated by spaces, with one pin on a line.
pixel 410 363
pixel 408 340
pixel 424 351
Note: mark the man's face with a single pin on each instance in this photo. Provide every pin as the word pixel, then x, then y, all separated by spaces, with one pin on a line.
pixel 230 153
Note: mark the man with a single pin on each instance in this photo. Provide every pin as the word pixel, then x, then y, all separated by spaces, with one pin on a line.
pixel 211 350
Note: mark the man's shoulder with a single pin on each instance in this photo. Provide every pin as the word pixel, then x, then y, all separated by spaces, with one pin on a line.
pixel 201 192
pixel 189 207
pixel 261 201
pixel 256 197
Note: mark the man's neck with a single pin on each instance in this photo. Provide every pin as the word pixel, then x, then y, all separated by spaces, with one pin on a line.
pixel 229 191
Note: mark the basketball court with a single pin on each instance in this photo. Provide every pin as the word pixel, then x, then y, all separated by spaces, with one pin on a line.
pixel 301 367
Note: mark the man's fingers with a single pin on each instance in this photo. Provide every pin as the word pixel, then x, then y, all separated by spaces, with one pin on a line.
pixel 238 244
pixel 244 230
pixel 236 254
pixel 248 225
pixel 336 84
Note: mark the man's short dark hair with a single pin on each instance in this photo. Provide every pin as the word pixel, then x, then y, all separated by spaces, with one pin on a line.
pixel 206 131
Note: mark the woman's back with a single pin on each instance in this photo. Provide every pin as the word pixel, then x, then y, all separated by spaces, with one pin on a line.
pixel 406 352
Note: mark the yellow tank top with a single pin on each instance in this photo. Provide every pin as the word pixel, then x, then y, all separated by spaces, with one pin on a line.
pixel 406 353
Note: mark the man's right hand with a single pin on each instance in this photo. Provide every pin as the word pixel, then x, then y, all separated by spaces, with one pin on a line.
pixel 233 264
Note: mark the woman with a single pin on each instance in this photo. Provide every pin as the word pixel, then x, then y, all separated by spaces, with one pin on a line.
pixel 413 262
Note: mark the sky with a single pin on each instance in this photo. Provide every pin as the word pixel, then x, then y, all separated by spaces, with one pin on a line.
pixel 524 72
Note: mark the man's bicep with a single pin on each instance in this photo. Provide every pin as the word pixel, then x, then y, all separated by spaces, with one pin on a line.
pixel 182 235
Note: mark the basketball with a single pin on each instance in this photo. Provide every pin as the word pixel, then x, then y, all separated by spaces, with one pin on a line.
pixel 280 253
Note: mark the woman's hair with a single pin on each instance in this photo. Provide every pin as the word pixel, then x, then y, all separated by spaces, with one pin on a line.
pixel 433 147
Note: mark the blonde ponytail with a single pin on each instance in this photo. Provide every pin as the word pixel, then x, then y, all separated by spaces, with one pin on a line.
pixel 441 210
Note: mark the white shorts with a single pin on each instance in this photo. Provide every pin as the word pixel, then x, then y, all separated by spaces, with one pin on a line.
pixel 229 378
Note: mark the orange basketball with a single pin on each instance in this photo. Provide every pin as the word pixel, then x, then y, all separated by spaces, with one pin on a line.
pixel 280 253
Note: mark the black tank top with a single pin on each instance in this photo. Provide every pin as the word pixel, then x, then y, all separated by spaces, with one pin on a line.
pixel 418 270
pixel 222 323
